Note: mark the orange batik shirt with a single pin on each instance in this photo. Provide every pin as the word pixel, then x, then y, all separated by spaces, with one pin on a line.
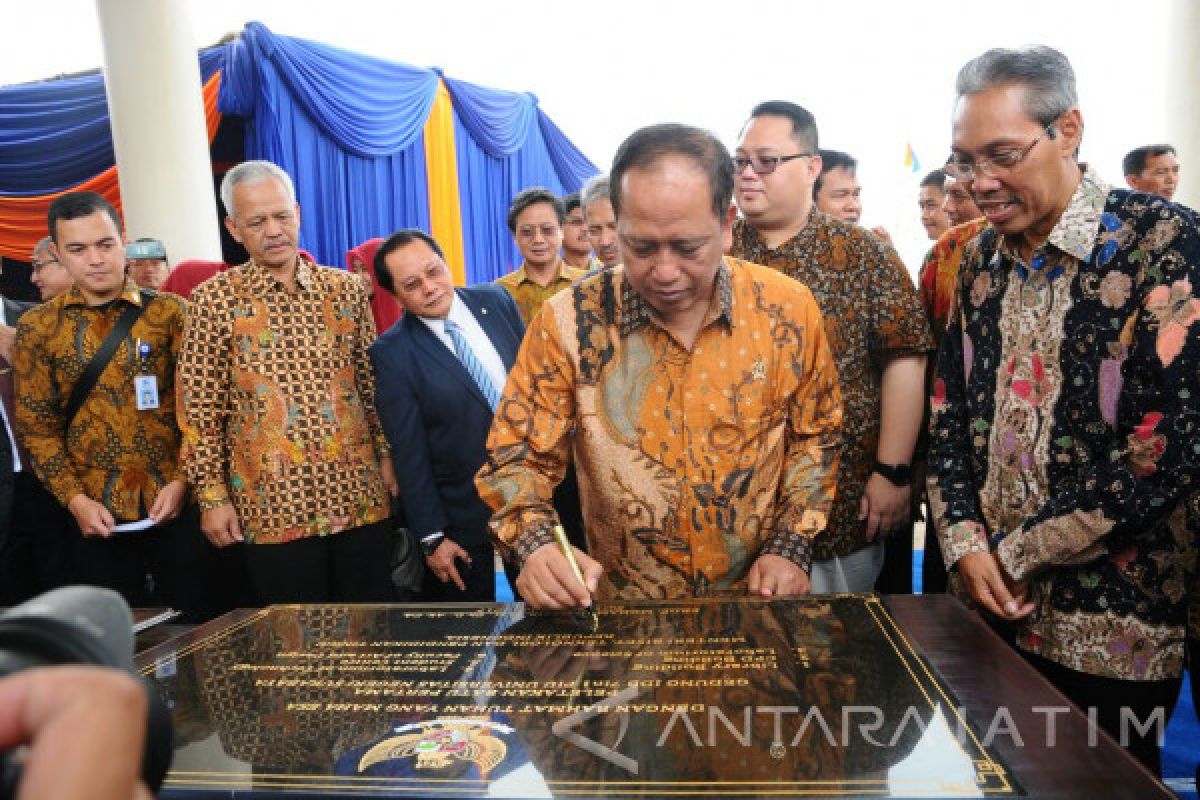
pixel 691 464
pixel 939 273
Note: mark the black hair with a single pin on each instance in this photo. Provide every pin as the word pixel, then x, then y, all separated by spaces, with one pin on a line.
pixel 831 160
pixel 646 146
pixel 804 124
pixel 571 202
pixel 75 205
pixel 395 242
pixel 1135 160
pixel 936 178
pixel 529 197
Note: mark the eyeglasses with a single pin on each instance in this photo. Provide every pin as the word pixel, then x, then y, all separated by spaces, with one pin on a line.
pixel 765 165
pixel 999 164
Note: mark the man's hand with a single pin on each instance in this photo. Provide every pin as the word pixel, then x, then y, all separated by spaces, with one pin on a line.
pixel 987 582
pixel 442 565
pixel 221 526
pixel 884 506
pixel 169 502
pixel 389 476
pixel 882 233
pixel 548 582
pixel 776 576
pixel 85 727
pixel 8 337
pixel 92 517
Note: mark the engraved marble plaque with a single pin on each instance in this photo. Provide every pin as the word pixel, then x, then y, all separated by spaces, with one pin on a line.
pixel 805 697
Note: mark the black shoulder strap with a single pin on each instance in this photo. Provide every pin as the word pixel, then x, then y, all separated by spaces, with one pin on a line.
pixel 108 348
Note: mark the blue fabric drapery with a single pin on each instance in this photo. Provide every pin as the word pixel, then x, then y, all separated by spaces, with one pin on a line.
pixel 348 128
pixel 367 106
pixel 55 134
pixel 312 111
pixel 505 144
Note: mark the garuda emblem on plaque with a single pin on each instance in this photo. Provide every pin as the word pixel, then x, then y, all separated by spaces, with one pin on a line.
pixel 440 745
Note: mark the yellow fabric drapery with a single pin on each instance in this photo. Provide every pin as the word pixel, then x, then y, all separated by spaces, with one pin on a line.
pixel 441 167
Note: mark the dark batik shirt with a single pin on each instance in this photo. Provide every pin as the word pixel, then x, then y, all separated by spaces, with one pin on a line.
pixel 1066 428
pixel 872 314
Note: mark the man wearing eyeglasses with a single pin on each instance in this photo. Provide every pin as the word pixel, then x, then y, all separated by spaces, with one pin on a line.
pixel 536 219
pixel 46 273
pixel 1063 449
pixel 877 331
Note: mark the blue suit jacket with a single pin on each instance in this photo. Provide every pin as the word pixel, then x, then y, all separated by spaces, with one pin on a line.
pixel 436 418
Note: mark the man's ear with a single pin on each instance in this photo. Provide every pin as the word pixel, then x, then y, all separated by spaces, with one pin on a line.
pixel 814 167
pixel 229 226
pixel 727 228
pixel 1069 128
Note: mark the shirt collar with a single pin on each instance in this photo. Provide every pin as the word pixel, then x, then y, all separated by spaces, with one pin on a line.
pixel 752 238
pixel 523 274
pixel 458 309
pixel 1076 230
pixel 636 313
pixel 263 276
pixel 130 293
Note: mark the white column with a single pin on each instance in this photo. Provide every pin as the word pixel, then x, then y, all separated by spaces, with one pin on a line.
pixel 156 109
pixel 1183 97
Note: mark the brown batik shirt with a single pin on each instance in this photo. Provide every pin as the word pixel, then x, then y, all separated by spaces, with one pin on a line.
pixel 277 402
pixel 872 315
pixel 112 452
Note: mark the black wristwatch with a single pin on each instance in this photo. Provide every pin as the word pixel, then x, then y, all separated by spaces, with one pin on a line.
pixel 897 474
pixel 432 542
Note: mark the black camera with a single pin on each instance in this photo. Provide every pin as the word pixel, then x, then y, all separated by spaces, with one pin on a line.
pixel 79 625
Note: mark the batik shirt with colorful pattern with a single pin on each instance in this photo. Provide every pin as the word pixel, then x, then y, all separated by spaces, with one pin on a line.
pixel 939 274
pixel 872 315
pixel 1066 428
pixel 530 295
pixel 112 452
pixel 277 402
pixel 691 463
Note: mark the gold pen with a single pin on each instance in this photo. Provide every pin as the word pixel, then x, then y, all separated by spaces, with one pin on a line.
pixel 568 551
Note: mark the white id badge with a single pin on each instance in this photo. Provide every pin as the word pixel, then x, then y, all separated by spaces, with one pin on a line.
pixel 145 387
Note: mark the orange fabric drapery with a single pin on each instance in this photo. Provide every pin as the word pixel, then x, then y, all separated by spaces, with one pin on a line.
pixel 23 219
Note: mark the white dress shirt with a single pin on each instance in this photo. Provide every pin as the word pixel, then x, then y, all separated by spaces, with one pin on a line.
pixel 485 351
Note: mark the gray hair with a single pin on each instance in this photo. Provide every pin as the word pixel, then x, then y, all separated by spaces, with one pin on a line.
pixel 43 245
pixel 597 188
pixel 253 172
pixel 1045 73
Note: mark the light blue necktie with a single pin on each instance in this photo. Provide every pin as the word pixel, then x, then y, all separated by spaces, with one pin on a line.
pixel 462 348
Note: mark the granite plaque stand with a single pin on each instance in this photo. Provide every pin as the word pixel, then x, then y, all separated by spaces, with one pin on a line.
pixel 808 697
